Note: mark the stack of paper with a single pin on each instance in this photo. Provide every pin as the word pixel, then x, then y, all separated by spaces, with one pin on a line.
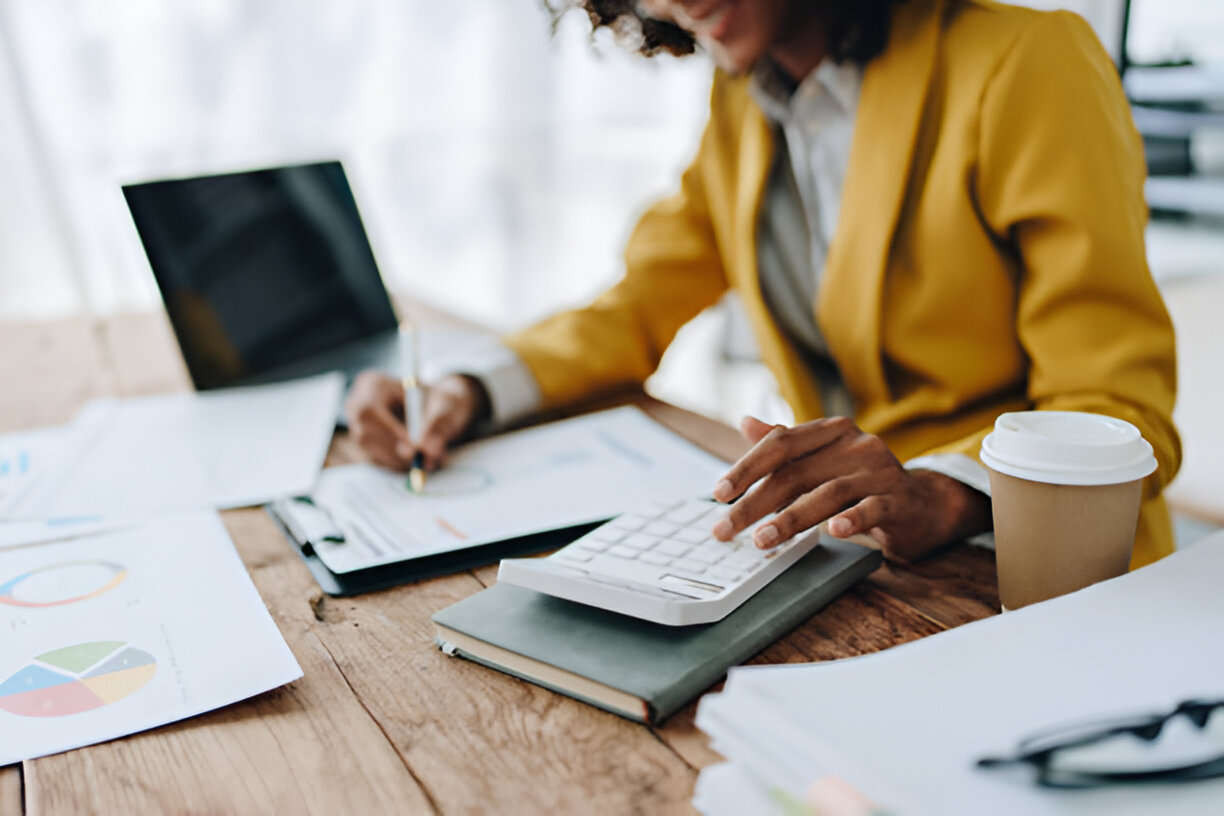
pixel 907 725
pixel 175 452
pixel 119 610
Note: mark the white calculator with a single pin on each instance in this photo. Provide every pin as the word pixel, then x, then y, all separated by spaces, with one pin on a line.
pixel 660 563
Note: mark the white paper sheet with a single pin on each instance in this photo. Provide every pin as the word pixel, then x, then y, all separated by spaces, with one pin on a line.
pixel 28 458
pixel 906 725
pixel 27 533
pixel 544 478
pixel 174 452
pixel 109 635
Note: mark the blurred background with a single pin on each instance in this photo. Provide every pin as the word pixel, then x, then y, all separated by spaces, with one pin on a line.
pixel 498 167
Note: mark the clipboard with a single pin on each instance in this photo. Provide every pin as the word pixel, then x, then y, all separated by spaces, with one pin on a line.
pixel 364 528
pixel 421 568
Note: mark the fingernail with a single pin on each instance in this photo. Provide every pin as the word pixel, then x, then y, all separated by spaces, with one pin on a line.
pixel 724 490
pixel 839 527
pixel 722 529
pixel 765 535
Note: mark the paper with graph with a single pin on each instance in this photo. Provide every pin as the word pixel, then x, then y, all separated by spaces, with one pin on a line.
pixel 28 458
pixel 107 635
pixel 175 452
pixel 544 478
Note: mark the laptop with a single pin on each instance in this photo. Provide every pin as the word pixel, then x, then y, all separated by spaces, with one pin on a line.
pixel 266 275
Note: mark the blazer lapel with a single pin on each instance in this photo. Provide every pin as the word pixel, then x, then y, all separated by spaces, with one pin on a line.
pixel 889 115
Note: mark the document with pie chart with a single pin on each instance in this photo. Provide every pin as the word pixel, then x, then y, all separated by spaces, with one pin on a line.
pixel 109 634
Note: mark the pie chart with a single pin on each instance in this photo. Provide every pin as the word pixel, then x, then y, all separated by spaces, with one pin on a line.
pixel 76 678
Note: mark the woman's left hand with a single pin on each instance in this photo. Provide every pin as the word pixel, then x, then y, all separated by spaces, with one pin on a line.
pixel 829 469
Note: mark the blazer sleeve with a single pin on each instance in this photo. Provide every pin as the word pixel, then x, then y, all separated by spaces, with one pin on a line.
pixel 1060 182
pixel 672 272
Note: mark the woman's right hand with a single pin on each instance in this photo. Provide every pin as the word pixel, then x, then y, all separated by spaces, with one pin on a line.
pixel 375 412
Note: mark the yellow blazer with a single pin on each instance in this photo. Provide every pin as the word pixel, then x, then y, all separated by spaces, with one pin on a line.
pixel 989 255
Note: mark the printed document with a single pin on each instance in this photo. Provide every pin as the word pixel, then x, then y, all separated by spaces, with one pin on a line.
pixel 543 478
pixel 127 630
pixel 906 726
pixel 174 452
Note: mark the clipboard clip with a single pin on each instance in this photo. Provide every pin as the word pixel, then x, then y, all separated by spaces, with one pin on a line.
pixel 307 523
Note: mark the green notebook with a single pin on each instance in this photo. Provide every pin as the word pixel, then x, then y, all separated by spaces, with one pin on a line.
pixel 638 669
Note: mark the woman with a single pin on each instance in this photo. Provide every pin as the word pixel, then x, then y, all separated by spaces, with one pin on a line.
pixel 932 211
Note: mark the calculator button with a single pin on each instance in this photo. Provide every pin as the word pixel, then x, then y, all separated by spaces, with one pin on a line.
pixel 661 529
pixel 629 521
pixel 592 544
pixel 573 554
pixel 622 551
pixel 689 565
pixel 609 534
pixel 708 554
pixel 726 574
pixel 742 560
pixel 698 589
pixel 688 513
pixel 672 547
pixel 640 541
pixel 745 538
pixel 655 509
pixel 655 558
pixel 692 535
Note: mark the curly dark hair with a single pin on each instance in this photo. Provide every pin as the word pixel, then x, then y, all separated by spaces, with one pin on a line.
pixel 858 29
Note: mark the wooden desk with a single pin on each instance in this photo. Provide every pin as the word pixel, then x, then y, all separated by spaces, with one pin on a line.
pixel 383 722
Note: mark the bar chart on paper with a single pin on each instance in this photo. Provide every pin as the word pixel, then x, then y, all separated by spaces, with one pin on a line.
pixel 15 462
pixel 77 678
pixel 16 473
pixel 27 458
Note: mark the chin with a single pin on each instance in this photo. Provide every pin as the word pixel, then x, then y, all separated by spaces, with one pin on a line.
pixel 730 58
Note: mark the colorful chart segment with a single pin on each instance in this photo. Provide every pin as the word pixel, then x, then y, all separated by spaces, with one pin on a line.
pixel 77 678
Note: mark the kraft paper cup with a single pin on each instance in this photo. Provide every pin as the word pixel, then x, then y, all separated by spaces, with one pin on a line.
pixel 1065 492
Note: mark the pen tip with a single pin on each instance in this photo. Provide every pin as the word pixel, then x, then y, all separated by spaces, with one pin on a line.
pixel 416 480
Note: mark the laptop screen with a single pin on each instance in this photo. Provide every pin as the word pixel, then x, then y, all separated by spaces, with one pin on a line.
pixel 260 269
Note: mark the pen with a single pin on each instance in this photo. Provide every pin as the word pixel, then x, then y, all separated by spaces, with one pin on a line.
pixel 410 363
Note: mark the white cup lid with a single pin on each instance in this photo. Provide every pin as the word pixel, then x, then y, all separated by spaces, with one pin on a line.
pixel 1067 447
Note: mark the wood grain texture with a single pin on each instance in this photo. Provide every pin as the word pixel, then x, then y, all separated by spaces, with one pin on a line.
pixel 383 722
pixel 11 803
pixel 955 586
pixel 142 356
pixel 309 747
pixel 480 737
pixel 48 370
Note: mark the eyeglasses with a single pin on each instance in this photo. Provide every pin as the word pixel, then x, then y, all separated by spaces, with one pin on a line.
pixel 1127 750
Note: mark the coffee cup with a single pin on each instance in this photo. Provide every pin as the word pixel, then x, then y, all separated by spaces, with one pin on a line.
pixel 1065 490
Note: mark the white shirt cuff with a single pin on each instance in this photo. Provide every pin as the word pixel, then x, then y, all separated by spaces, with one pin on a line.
pixel 963 469
pixel 513 392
